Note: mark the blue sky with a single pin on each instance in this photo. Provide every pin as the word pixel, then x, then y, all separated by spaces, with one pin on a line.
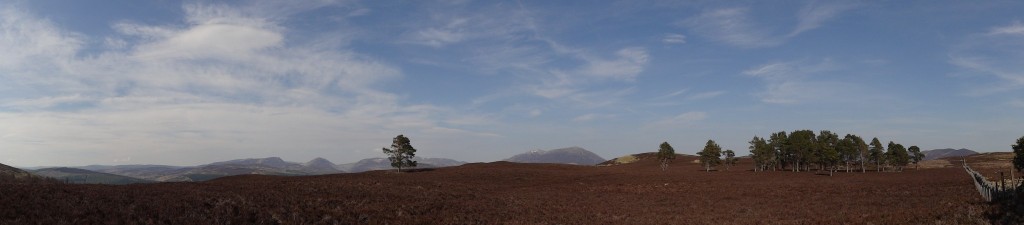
pixel 185 83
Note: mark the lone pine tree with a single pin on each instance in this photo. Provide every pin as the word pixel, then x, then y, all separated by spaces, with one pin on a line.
pixel 401 153
pixel 710 155
pixel 665 154
pixel 730 158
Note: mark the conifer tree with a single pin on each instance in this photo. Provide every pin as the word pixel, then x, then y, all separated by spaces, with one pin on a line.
pixel 730 159
pixel 665 154
pixel 876 153
pixel 711 155
pixel 401 153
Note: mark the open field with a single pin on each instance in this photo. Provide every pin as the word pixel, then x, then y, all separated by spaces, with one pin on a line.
pixel 510 193
pixel 988 164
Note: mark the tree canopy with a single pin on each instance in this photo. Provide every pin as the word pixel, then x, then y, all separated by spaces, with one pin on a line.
pixel 915 154
pixel 730 158
pixel 1018 154
pixel 711 155
pixel 801 149
pixel 401 153
pixel 665 154
pixel 876 152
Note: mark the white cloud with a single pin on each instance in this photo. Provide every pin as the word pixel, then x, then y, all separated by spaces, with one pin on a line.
pixel 734 26
pixel 226 84
pixel 816 13
pixel 212 41
pixel 452 32
pixel 27 41
pixel 674 39
pixel 792 82
pixel 731 26
pixel 1013 29
pixel 995 54
pixel 628 65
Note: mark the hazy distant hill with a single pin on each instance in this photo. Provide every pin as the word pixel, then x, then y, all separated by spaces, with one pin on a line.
pixel 571 155
pixel 321 166
pixel 269 161
pixel 384 164
pixel 145 172
pixel 75 175
pixel 11 172
pixel 265 166
pixel 947 152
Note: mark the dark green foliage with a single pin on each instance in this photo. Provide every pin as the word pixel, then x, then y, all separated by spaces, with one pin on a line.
pixel 862 149
pixel 779 142
pixel 711 155
pixel 803 144
pixel 876 153
pixel 897 156
pixel 848 151
pixel 665 154
pixel 401 153
pixel 1018 154
pixel 915 154
pixel 730 159
pixel 762 153
pixel 826 152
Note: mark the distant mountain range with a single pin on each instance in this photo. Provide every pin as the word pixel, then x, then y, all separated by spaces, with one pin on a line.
pixel 123 174
pixel 946 152
pixel 82 176
pixel 571 155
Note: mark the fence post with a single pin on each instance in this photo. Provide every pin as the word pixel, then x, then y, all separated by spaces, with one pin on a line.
pixel 1002 182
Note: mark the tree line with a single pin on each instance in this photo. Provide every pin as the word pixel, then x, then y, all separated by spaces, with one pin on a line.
pixel 803 150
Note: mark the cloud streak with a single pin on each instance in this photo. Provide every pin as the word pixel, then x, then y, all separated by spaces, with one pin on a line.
pixel 227 83
pixel 792 82
pixel 736 27
pixel 994 54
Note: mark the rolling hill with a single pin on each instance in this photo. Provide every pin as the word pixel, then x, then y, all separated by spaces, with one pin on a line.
pixel 947 152
pixel 644 157
pixel 9 172
pixel 383 164
pixel 264 166
pixel 571 155
pixel 75 175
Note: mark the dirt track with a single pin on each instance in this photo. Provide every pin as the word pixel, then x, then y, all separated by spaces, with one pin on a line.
pixel 509 193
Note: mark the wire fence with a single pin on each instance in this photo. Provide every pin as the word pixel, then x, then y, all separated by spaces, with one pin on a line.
pixel 991 191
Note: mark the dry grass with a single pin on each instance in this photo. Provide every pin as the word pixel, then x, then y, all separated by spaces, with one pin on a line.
pixel 626 159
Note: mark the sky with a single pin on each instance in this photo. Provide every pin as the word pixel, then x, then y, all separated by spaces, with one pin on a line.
pixel 194 82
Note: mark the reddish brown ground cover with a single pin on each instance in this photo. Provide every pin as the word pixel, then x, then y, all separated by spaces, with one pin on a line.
pixel 509 193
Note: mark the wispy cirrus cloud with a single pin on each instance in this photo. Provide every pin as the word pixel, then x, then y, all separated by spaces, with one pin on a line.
pixel 674 39
pixel 736 27
pixel 793 82
pixel 512 41
pixel 816 13
pixel 994 54
pixel 678 121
